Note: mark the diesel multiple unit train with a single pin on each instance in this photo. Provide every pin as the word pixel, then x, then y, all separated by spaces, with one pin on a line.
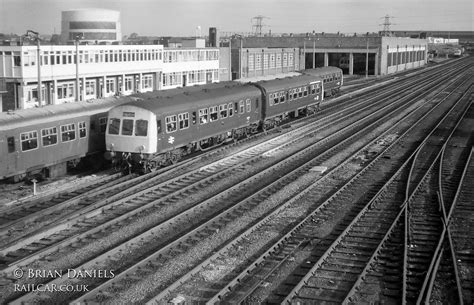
pixel 153 133
pixel 154 128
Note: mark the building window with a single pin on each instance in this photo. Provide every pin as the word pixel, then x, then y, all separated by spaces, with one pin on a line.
pixel 147 82
pixel 17 60
pixel 110 86
pixel 278 60
pixel 29 140
pixel 49 136
pixel 90 87
pixel 258 62
pixel 65 91
pixel 265 61
pixel 241 106
pixel 272 61
pixel 128 83
pixel 251 62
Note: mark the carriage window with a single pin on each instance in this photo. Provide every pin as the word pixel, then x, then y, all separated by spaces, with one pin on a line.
pixel 295 93
pixel 141 128
pixel 171 123
pixel 305 92
pixel 276 100
pixel 68 132
pixel 29 140
pixel 127 127
pixel 11 144
pixel 241 106
pixel 223 111
pixel 203 116
pixel 114 126
pixel 82 130
pixel 282 97
pixel 313 89
pixel 212 113
pixel 249 105
pixel 231 110
pixel 194 117
pixel 103 124
pixel 300 92
pixel 183 119
pixel 49 136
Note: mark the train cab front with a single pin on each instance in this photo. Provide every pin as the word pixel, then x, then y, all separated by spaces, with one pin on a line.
pixel 130 137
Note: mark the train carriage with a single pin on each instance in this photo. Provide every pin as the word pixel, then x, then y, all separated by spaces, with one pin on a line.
pixel 289 96
pixel 332 78
pixel 160 132
pixel 44 140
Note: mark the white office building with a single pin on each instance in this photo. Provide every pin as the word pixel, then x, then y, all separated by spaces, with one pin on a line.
pixel 101 71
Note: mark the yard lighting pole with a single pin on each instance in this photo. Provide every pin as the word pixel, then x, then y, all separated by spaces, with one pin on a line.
pixel 367 59
pixel 240 54
pixel 35 36
pixel 78 37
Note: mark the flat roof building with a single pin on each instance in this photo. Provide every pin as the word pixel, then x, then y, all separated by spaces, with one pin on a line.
pixel 101 71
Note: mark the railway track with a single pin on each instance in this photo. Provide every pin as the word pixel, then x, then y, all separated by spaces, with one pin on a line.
pixel 381 279
pixel 352 251
pixel 186 194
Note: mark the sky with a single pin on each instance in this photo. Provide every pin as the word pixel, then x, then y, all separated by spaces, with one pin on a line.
pixel 182 17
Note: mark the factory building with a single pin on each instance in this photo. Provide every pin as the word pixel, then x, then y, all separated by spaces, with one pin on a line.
pixel 371 55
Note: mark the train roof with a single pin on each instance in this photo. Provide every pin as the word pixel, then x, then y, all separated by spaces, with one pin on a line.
pixel 206 95
pixel 22 117
pixel 287 82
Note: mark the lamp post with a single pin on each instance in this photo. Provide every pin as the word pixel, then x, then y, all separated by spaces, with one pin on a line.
pixel 77 38
pixel 367 59
pixel 35 36
pixel 240 54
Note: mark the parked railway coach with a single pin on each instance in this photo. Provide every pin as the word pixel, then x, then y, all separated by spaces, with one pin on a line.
pixel 147 134
pixel 43 140
pixel 332 78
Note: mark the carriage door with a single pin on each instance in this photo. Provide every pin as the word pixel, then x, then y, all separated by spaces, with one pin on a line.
pixel 13 155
